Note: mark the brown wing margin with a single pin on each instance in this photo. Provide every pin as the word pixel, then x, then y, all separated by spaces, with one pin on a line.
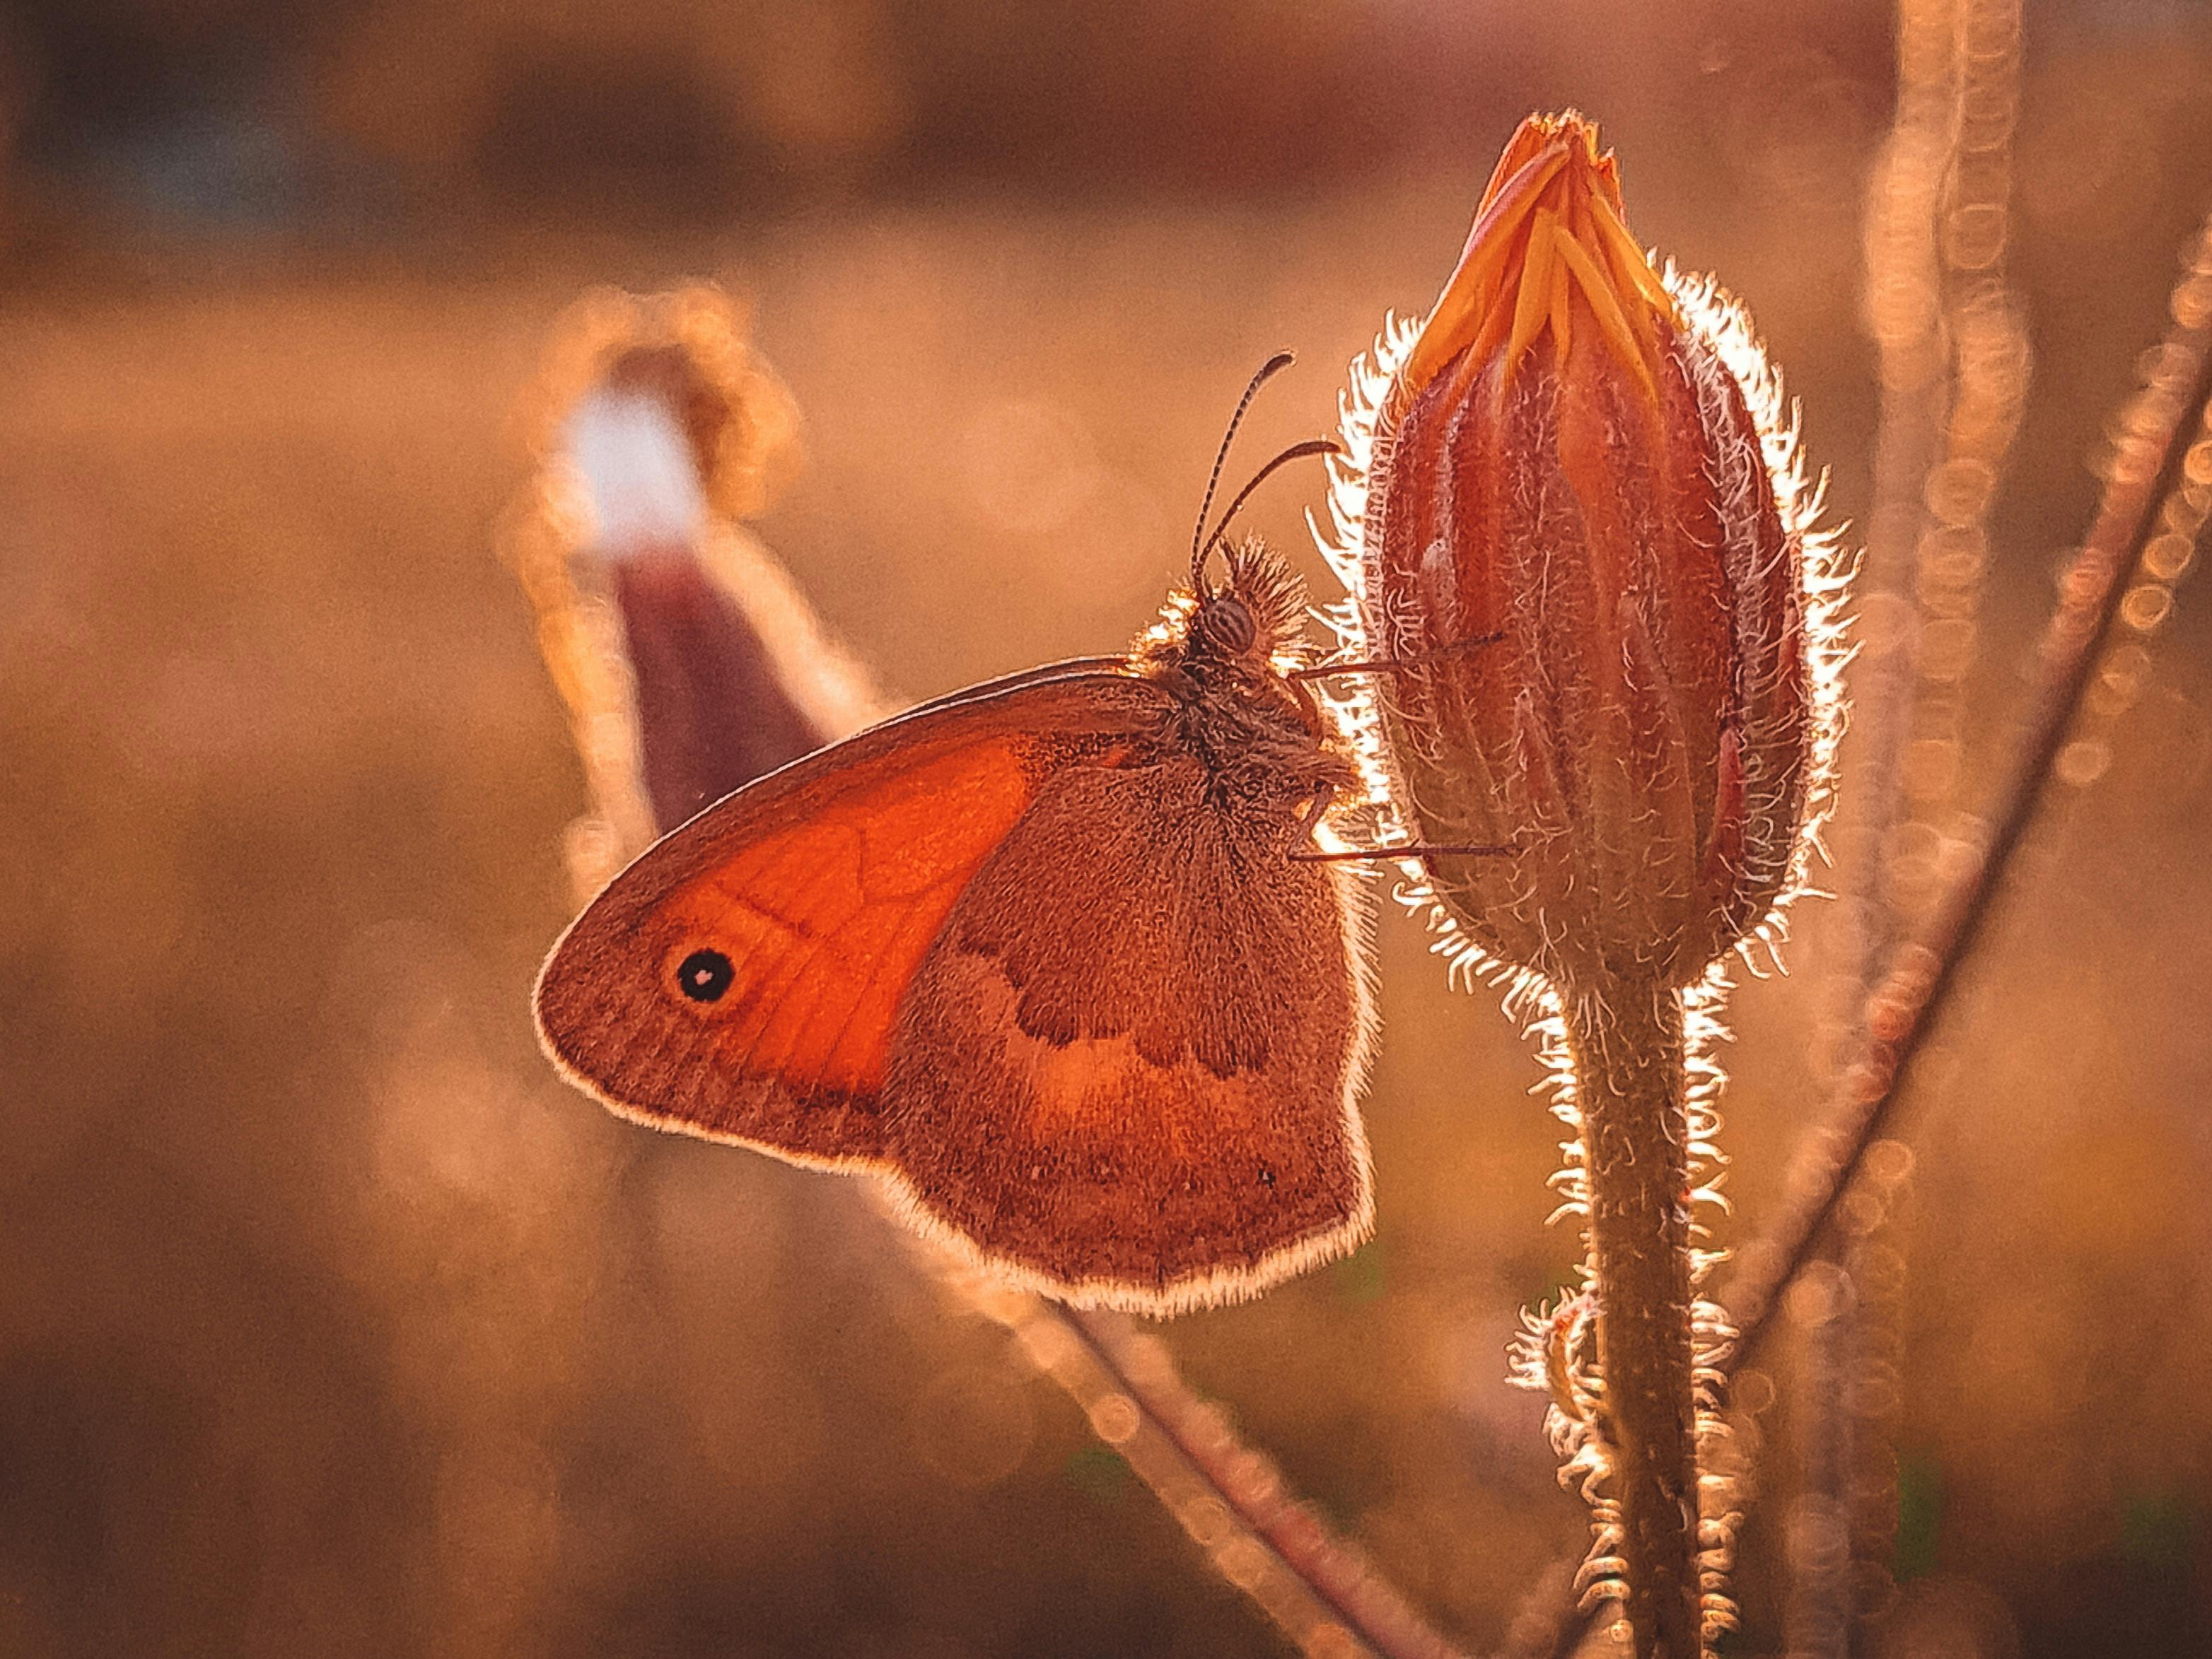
pixel 823 885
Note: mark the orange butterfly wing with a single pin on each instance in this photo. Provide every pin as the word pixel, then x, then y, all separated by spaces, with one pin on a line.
pixel 822 887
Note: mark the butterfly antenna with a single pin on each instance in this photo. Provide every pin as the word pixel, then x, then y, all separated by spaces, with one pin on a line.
pixel 1295 452
pixel 1200 545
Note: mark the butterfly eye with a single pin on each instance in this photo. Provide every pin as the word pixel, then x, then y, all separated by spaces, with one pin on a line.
pixel 1226 622
pixel 704 975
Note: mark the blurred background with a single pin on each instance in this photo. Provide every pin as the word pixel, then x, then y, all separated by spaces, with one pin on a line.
pixel 331 1323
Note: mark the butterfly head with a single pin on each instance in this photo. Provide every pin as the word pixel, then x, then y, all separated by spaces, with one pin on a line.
pixel 1240 633
pixel 1227 649
pixel 1247 622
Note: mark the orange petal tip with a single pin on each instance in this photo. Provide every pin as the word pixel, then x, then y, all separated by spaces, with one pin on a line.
pixel 1550 238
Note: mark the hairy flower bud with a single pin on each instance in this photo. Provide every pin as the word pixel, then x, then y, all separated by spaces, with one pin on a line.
pixel 1584 555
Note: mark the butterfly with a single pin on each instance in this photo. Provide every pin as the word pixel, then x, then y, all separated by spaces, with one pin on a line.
pixel 1057 956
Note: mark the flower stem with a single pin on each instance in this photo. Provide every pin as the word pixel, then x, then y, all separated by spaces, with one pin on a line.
pixel 1626 1041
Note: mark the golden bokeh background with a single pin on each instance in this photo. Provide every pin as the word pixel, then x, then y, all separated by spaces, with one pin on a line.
pixel 331 1323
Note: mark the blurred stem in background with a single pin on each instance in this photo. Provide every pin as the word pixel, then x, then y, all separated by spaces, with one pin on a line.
pixel 1953 356
pixel 2158 492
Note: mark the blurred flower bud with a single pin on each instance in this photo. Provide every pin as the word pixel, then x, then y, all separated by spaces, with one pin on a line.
pixel 690 661
pixel 1581 458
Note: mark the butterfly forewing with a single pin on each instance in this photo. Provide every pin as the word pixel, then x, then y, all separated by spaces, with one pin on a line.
pixel 821 887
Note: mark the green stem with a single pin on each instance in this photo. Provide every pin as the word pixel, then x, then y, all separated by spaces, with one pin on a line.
pixel 1626 1041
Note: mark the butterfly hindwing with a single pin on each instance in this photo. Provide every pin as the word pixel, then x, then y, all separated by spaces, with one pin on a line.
pixel 1128 1064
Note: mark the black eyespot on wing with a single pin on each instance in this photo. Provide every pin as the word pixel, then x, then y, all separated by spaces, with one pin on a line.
pixel 705 975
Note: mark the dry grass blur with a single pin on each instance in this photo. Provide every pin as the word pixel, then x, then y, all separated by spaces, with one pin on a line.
pixel 331 1323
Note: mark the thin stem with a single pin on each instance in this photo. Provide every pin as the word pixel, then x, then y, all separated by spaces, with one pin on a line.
pixel 1903 289
pixel 1953 370
pixel 1627 1042
pixel 1273 1547
pixel 1334 1573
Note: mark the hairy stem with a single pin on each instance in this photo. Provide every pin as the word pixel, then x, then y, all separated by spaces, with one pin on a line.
pixel 1626 1041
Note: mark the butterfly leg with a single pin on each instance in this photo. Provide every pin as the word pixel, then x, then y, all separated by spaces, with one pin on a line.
pixel 1418 849
pixel 1396 665
pixel 1324 796
pixel 1325 793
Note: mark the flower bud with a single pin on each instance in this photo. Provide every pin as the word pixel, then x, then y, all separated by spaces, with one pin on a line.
pixel 1579 463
